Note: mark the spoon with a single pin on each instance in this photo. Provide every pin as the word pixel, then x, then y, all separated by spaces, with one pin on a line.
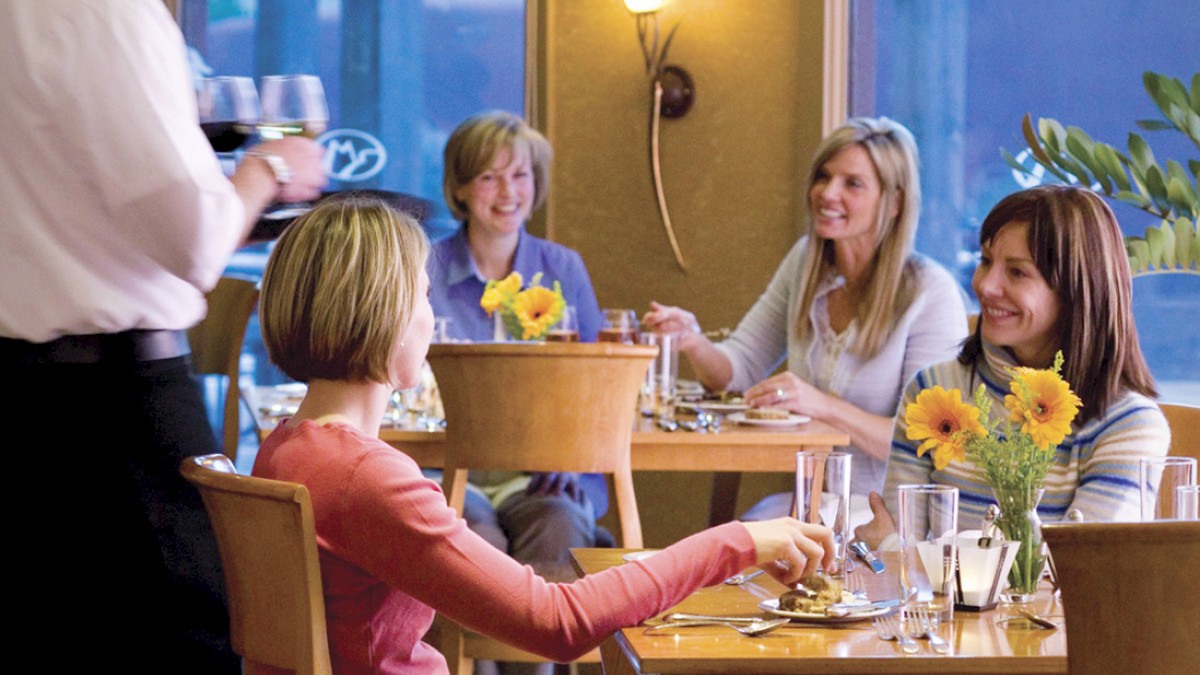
pixel 1038 620
pixel 753 629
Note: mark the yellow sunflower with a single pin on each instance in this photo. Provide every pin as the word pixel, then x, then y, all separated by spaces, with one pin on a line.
pixel 538 308
pixel 1043 404
pixel 944 422
pixel 496 292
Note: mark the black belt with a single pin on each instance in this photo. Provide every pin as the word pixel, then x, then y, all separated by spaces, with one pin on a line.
pixel 129 346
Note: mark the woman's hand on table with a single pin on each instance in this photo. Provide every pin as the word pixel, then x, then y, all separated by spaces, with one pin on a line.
pixel 878 529
pixel 790 550
pixel 788 392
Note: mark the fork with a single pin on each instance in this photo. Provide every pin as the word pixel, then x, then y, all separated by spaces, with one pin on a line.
pixel 926 631
pixel 853 584
pixel 887 628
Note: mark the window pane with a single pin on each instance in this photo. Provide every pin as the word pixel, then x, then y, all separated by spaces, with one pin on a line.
pixel 961 75
pixel 403 72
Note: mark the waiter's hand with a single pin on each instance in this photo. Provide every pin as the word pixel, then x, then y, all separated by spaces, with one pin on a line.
pixel 304 160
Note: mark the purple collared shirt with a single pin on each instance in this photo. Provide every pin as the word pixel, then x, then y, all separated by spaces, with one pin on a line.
pixel 455 284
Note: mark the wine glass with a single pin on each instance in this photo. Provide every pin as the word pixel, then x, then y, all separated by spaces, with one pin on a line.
pixel 292 105
pixel 229 112
pixel 620 325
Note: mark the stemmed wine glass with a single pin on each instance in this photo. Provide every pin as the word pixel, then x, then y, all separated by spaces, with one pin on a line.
pixel 229 111
pixel 292 105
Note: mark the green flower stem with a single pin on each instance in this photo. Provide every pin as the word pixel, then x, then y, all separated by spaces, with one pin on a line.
pixel 1019 522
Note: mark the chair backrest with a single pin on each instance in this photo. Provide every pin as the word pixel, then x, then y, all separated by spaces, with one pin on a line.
pixel 268 545
pixel 1130 595
pixel 217 345
pixel 542 407
pixel 1184 421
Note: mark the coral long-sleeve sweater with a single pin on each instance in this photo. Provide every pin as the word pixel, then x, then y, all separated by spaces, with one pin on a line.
pixel 392 553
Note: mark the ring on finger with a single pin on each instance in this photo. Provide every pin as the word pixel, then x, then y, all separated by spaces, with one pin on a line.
pixel 781 394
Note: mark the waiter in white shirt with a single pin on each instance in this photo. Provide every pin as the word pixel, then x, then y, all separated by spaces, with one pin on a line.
pixel 115 219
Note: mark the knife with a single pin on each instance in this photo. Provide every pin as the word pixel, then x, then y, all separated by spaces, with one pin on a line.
pixel 860 549
pixel 850 610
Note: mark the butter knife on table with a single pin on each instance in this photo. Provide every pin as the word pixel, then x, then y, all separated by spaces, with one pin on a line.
pixel 860 549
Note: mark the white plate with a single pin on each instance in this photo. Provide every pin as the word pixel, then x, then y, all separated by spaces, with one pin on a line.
pixel 713 406
pixel 772 606
pixel 791 421
pixel 689 388
pixel 638 555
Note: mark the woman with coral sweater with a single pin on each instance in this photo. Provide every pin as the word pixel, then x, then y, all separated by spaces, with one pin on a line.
pixel 345 308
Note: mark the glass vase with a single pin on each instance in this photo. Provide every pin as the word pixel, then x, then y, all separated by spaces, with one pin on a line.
pixel 1019 521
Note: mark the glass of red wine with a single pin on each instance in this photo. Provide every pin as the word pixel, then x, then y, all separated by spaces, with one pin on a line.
pixel 229 113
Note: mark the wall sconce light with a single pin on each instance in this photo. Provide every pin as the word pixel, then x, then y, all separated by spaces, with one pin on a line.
pixel 672 95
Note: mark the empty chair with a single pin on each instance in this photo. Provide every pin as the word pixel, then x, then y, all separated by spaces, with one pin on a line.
pixel 1184 421
pixel 1130 595
pixel 217 346
pixel 264 529
pixel 536 407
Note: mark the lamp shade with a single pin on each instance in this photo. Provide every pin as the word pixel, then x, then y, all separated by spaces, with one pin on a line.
pixel 644 6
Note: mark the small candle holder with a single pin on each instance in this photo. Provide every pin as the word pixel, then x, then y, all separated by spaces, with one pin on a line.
pixel 982 572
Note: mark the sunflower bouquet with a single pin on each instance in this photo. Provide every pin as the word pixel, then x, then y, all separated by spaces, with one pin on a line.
pixel 1014 454
pixel 527 313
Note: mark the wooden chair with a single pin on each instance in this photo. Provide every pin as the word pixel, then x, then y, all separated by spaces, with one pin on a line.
pixel 217 347
pixel 1130 595
pixel 268 545
pixel 536 407
pixel 1184 421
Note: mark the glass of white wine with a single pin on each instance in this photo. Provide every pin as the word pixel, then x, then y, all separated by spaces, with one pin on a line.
pixel 292 105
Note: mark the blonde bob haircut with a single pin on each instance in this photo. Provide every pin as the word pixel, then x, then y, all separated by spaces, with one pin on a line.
pixel 339 290
pixel 1078 248
pixel 473 146
pixel 890 285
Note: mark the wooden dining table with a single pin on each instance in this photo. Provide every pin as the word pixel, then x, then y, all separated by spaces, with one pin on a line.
pixel 994 641
pixel 728 453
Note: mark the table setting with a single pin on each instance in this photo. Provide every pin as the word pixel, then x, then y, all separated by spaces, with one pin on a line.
pixel 867 634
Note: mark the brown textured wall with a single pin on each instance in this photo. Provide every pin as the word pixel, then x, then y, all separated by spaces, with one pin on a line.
pixel 731 168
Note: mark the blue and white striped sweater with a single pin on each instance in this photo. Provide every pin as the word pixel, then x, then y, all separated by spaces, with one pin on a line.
pixel 1095 470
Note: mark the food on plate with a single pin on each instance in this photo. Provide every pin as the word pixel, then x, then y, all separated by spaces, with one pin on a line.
pixel 767 414
pixel 827 590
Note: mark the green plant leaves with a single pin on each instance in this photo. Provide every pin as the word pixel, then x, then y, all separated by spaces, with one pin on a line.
pixel 1169 247
pixel 1070 155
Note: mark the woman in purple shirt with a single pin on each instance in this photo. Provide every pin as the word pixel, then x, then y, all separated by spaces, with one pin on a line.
pixel 495 175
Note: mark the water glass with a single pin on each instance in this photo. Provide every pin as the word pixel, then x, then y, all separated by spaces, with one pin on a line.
pixel 441 330
pixel 659 391
pixel 1187 502
pixel 928 527
pixel 1159 476
pixel 823 496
